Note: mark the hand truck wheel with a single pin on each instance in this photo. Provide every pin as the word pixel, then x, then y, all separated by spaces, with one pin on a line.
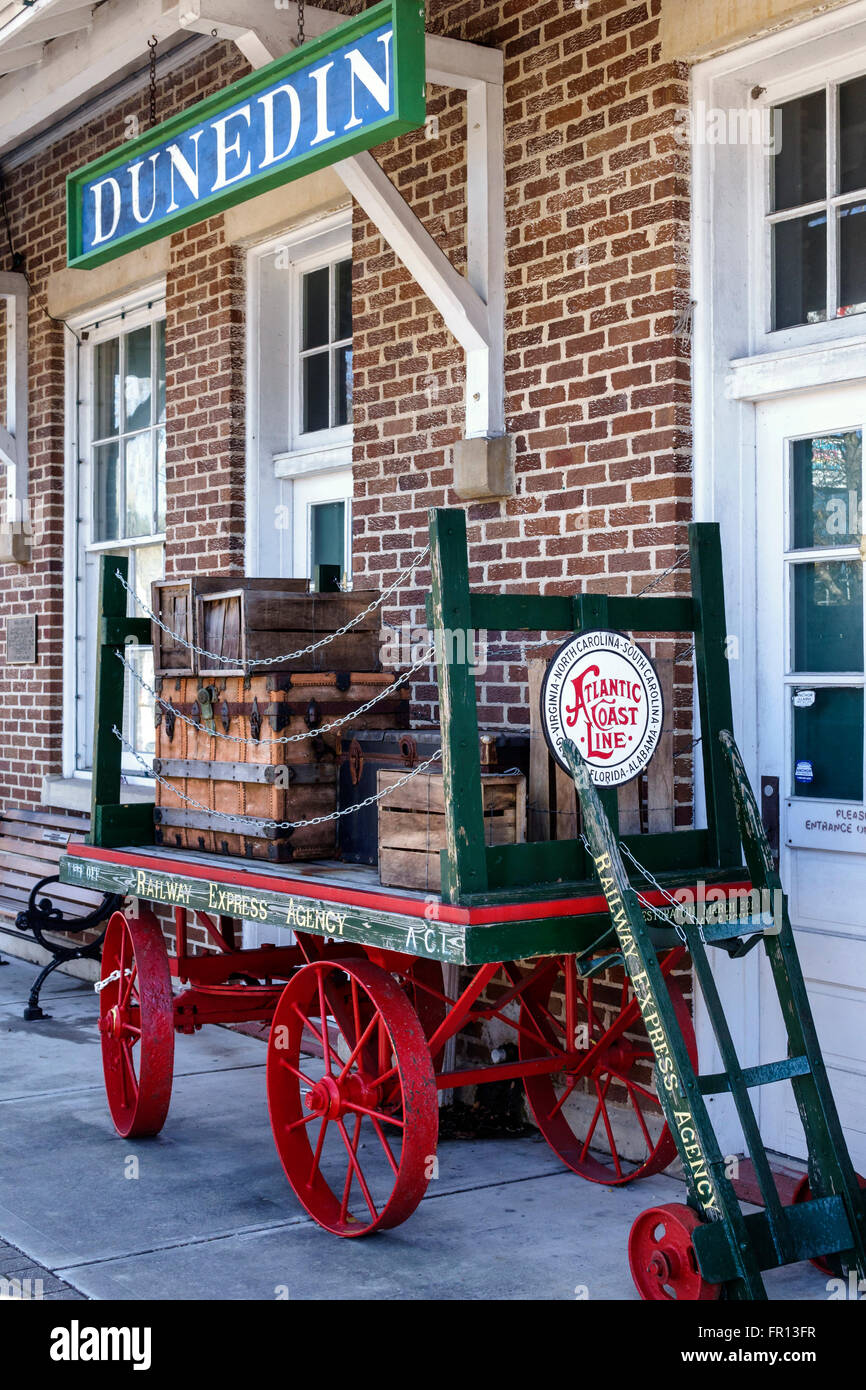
pixel 662 1257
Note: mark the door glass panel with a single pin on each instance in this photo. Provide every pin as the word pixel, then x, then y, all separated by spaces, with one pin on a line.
pixel 852 135
pixel 827 490
pixel 828 746
pixel 327 543
pixel 800 162
pixel 800 271
pixel 827 603
pixel 852 259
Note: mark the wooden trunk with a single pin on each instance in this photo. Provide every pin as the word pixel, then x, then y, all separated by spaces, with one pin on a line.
pixel 258 777
pixel 412 824
pixel 247 627
pixel 174 600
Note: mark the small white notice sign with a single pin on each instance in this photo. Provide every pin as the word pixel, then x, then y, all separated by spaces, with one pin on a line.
pixel 837 825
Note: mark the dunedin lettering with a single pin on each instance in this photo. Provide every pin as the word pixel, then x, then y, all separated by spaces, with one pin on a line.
pixel 303 111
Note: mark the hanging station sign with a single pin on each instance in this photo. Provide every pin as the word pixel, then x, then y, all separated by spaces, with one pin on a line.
pixel 357 86
pixel 601 693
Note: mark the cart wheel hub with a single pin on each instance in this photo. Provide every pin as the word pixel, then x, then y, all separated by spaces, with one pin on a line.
pixel 332 1097
pixel 111 1024
pixel 662 1266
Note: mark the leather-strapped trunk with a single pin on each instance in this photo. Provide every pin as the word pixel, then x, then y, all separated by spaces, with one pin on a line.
pixel 233 782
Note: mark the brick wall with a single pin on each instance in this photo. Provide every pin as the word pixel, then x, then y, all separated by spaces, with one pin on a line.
pixel 205 416
pixel 596 376
pixel 597 365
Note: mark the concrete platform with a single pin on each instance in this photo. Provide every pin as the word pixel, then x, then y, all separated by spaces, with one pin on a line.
pixel 206 1212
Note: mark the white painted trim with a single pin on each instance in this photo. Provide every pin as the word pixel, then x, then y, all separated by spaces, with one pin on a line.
pixel 473 308
pixel 459 304
pixel 131 305
pixel 796 369
pixel 263 33
pixel 75 65
pixel 301 463
pixel 14 290
pixel 307 243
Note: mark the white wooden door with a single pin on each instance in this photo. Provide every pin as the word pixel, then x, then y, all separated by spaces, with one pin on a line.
pixel 811 729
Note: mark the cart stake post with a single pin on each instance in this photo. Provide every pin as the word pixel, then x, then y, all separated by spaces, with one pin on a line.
pixel 464 859
pixel 114 823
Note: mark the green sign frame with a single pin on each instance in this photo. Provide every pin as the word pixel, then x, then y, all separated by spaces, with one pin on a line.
pixel 407 81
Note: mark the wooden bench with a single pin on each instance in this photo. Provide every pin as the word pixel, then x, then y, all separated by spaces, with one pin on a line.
pixel 33 898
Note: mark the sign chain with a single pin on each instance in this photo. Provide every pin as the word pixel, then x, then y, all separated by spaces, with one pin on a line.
pixel 276 825
pixel 301 35
pixel 286 656
pixel 348 718
pixel 152 45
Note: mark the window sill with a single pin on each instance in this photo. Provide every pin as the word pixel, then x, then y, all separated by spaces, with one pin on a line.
pixel 73 793
pixel 793 369
pixel 299 462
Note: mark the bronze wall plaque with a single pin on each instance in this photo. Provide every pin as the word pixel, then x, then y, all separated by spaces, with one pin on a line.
pixel 21 641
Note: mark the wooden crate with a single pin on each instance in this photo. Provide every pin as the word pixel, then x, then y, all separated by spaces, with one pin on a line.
pixel 174 601
pixel 412 824
pixel 248 626
pixel 258 777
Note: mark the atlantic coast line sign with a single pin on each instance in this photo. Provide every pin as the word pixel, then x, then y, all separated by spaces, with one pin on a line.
pixel 357 86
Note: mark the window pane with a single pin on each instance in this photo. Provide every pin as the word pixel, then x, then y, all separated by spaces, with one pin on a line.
pixel 800 164
pixel 343 301
pixel 826 478
pixel 800 271
pixel 828 743
pixel 160 480
pixel 343 380
pixel 139 485
pixel 852 135
pixel 316 391
pixel 137 385
pixel 828 616
pixel 852 259
pixel 159 349
pixel 106 493
pixel 316 295
pixel 106 390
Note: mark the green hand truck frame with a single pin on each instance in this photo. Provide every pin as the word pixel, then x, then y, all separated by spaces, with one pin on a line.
pixel 727 1250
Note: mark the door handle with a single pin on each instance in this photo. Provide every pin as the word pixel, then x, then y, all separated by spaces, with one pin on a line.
pixel 770 813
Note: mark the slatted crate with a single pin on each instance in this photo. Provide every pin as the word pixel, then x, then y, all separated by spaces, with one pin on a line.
pixel 248 627
pixel 174 602
pixel 412 824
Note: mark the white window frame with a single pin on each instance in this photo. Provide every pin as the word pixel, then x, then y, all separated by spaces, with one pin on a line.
pixel 827 75
pixel 277 451
pixel 88 330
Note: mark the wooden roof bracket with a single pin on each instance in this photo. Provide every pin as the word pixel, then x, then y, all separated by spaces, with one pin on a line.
pixel 473 306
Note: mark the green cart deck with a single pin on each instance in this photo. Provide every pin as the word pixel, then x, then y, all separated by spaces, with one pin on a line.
pixel 348 903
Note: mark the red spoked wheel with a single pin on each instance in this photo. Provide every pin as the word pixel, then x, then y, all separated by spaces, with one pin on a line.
pixel 136 1020
pixel 662 1257
pixel 599 1107
pixel 422 982
pixel 803 1193
pixel 356 1131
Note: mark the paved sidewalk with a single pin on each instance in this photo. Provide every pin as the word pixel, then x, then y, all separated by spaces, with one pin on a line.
pixel 210 1214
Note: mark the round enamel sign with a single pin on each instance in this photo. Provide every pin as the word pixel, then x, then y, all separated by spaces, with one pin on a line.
pixel 602 692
